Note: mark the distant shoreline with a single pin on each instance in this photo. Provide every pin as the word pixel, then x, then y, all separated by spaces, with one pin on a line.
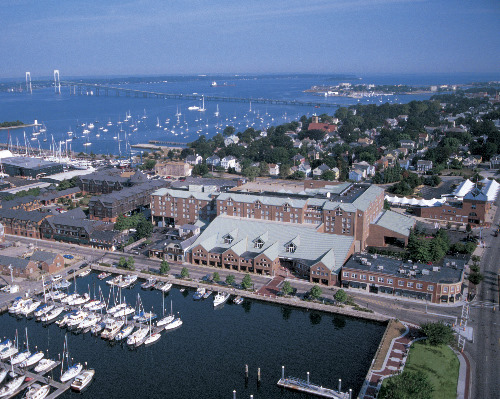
pixel 19 126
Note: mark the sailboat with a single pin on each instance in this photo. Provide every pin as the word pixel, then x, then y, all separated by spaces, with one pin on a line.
pixel 166 319
pixel 216 113
pixel 11 387
pixel 158 122
pixel 72 370
pixel 202 109
pixel 178 113
pixel 153 338
pixel 22 356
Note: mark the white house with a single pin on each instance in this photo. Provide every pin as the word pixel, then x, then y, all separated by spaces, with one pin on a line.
pixel 274 169
pixel 365 168
pixel 320 169
pixel 214 160
pixel 228 162
pixel 194 159
pixel 233 139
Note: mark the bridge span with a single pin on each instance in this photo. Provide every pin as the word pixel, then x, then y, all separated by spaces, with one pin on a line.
pixel 78 88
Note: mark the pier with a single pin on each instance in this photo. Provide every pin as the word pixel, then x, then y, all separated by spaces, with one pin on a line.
pixel 58 388
pixel 299 385
pixel 92 89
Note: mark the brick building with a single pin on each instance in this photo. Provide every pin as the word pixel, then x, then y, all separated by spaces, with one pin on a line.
pixel 20 267
pixel 108 180
pixel 47 261
pixel 377 274
pixel 22 223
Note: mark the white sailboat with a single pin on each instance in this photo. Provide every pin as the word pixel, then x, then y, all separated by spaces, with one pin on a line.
pixel 73 370
pixel 202 109
pixel 216 113
pixel 37 391
pixel 166 319
pixel 11 387
pixel 153 338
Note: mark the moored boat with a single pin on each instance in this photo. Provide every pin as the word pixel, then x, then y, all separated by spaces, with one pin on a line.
pixel 174 324
pixel 83 380
pixel 11 387
pixel 221 298
pixel 71 372
pixel 37 391
pixel 238 300
pixel 44 365
pixel 32 360
pixel 199 294
pixel 52 315
pixel 149 283
pixel 85 273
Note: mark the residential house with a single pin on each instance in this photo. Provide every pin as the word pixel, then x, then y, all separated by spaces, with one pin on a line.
pixel 391 123
pixel 365 141
pixel 233 139
pixel 228 162
pixel 408 144
pixel 424 165
pixel 298 159
pixel 274 169
pixel 305 168
pixel 365 168
pixel 404 164
pixel 322 126
pixel 317 172
pixel 495 162
pixel 194 159
pixel 214 160
pixel 356 175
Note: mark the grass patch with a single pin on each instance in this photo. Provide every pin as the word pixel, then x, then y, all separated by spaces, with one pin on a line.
pixel 440 365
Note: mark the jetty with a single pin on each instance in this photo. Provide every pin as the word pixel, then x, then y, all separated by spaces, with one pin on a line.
pixel 57 388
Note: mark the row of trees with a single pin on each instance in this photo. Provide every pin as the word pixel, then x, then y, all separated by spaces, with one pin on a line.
pixel 143 227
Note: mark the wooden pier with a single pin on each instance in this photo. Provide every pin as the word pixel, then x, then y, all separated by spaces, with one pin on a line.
pixel 57 388
pixel 297 384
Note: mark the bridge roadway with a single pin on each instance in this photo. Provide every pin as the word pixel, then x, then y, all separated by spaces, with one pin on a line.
pixel 97 90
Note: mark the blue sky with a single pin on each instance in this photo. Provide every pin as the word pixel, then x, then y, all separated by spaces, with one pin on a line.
pixel 109 37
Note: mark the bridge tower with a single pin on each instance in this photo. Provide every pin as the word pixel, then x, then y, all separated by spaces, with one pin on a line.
pixel 57 82
pixel 28 83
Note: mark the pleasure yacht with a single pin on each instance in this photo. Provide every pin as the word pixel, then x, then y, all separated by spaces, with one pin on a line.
pixel 20 357
pixel 43 309
pixel 82 380
pixel 33 359
pixel 44 365
pixel 11 387
pixel 52 315
pixel 29 307
pixel 91 320
pixel 71 372
pixel 124 332
pixel 8 352
pixel 128 281
pixel 199 294
pixel 174 324
pixel 220 298
pixel 137 338
pixel 112 329
pixel 75 319
pixel 37 391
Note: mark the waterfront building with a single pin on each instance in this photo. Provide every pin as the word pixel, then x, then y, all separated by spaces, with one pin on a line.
pixel 33 168
pixel 263 247
pixel 52 197
pixel 108 180
pixel 26 203
pixel 437 283
pixel 23 223
pixel 20 267
pixel 48 262
pixel 173 169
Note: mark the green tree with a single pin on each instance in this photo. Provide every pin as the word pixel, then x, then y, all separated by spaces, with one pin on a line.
pixel 144 229
pixel 315 292
pixel 122 262
pixel 164 267
pixel 475 277
pixel 387 205
pixel 149 164
pixel 131 263
pixel 184 272
pixel 437 333
pixel 287 288
pixel 251 172
pixel 340 296
pixel 230 279
pixel 216 277
pixel 263 168
pixel 246 283
pixel 200 170
pixel 409 385
pixel 328 175
pixel 228 131
pixel 284 171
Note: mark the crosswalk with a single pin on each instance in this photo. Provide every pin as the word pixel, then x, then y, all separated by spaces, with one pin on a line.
pixel 483 304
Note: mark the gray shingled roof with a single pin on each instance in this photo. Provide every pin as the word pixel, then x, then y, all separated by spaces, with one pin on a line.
pixel 17 263
pixel 43 256
pixel 395 222
pixel 365 199
pixel 183 194
pixel 19 214
pixel 312 246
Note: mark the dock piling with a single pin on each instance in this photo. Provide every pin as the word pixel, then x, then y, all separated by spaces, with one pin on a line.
pixel 350 393
pixel 282 372
pixel 234 394
pixel 246 371
pixel 340 385
pixel 258 375
pixel 308 377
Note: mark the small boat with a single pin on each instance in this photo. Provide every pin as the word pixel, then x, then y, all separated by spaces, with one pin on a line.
pixel 85 273
pixel 220 298
pixel 144 317
pixel 124 332
pixel 44 365
pixel 116 308
pixel 90 303
pixel 5 344
pixel 138 337
pixel 199 294
pixel 153 338
pixel 71 372
pixel 3 374
pixel 97 306
pixel 56 278
pixel 79 300
pixel 8 352
pixel 82 380
pixel 11 387
pixel 207 294
pixel 128 281
pixel 37 391
pixel 174 324
pixel 124 312
pixel 149 283
pixel 112 328
pixel 50 316
pixel 58 295
pixel 32 360
pixel 43 309
pixel 238 300
pixel 75 319
pixel 62 285
pixel 115 280
pixel 29 308
pixel 91 320
pixel 103 275
pixel 20 357
pixel 96 329
pixel 62 322
pixel 166 287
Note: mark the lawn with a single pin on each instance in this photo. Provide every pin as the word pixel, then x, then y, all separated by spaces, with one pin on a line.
pixel 440 365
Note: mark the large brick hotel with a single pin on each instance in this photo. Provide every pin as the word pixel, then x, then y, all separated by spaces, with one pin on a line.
pixel 313 233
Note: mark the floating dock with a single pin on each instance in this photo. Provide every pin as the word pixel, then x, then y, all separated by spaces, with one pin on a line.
pixel 297 384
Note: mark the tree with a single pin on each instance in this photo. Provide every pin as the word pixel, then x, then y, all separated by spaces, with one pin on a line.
pixel 122 262
pixel 475 277
pixel 328 175
pixel 144 229
pixel 164 267
pixel 315 292
pixel 246 283
pixel 284 171
pixel 468 228
pixel 184 272
pixel 387 205
pixel 287 288
pixel 340 296
pixel 216 277
pixel 149 164
pixel 131 263
pixel 230 279
pixel 251 172
pixel 228 131
pixel 409 385
pixel 437 333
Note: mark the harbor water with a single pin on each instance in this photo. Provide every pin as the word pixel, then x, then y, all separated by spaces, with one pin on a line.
pixel 158 119
pixel 206 356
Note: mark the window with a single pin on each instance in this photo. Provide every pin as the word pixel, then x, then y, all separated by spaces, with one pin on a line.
pixel 346 274
pixel 401 283
pixel 389 281
pixel 445 289
pixel 291 247
pixel 419 286
pixel 409 284
pixel 380 279
pixel 259 243
pixel 363 277
pixel 228 239
pixel 430 288
pixel 371 278
pixel 354 275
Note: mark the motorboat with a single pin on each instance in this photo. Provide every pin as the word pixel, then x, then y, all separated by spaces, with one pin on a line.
pixel 97 306
pixel 69 298
pixel 71 372
pixel 52 315
pixel 166 287
pixel 112 329
pixel 62 323
pixel 144 317
pixel 174 324
pixel 58 295
pixel 80 300
pixel 124 312
pixel 91 320
pixel 96 329
pixel 62 285
pixel 115 280
pixel 11 387
pixel 20 357
pixel 199 294
pixel 29 307
pixel 75 319
pixel 8 352
pixel 137 338
pixel 85 273
pixel 207 294
pixel 128 281
pixel 116 308
pixel 90 303
pixel 56 278
pixel 103 275
pixel 124 332
pixel 37 391
pixel 44 365
pixel 5 344
pixel 238 300
pixel 153 338
pixel 149 283
pixel 43 309
pixel 82 380
pixel 17 304
pixel 220 298
pixel 3 375
pixel 32 360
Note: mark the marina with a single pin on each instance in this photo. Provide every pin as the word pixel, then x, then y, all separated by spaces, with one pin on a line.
pixel 227 323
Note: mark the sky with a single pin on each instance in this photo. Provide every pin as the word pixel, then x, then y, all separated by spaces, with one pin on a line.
pixel 130 37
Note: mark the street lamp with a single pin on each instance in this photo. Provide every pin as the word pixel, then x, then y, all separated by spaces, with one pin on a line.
pixel 11 274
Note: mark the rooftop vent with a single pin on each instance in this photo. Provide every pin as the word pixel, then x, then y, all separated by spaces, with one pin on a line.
pixel 425 272
pixel 380 267
pixel 402 271
pixel 435 268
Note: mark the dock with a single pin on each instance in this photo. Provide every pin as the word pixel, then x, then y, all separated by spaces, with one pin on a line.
pixel 57 388
pixel 299 385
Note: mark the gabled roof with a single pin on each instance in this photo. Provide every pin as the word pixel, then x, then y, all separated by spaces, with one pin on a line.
pixel 17 263
pixel 396 222
pixel 43 256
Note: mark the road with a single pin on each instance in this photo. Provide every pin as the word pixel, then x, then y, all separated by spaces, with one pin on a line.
pixel 485 351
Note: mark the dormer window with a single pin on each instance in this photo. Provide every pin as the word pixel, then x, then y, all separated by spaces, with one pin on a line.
pixel 228 239
pixel 291 247
pixel 286 208
pixel 259 243
pixel 258 204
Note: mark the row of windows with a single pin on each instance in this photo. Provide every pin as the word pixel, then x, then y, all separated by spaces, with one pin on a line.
pixel 401 283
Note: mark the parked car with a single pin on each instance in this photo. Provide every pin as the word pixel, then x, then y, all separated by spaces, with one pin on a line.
pixel 67 256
